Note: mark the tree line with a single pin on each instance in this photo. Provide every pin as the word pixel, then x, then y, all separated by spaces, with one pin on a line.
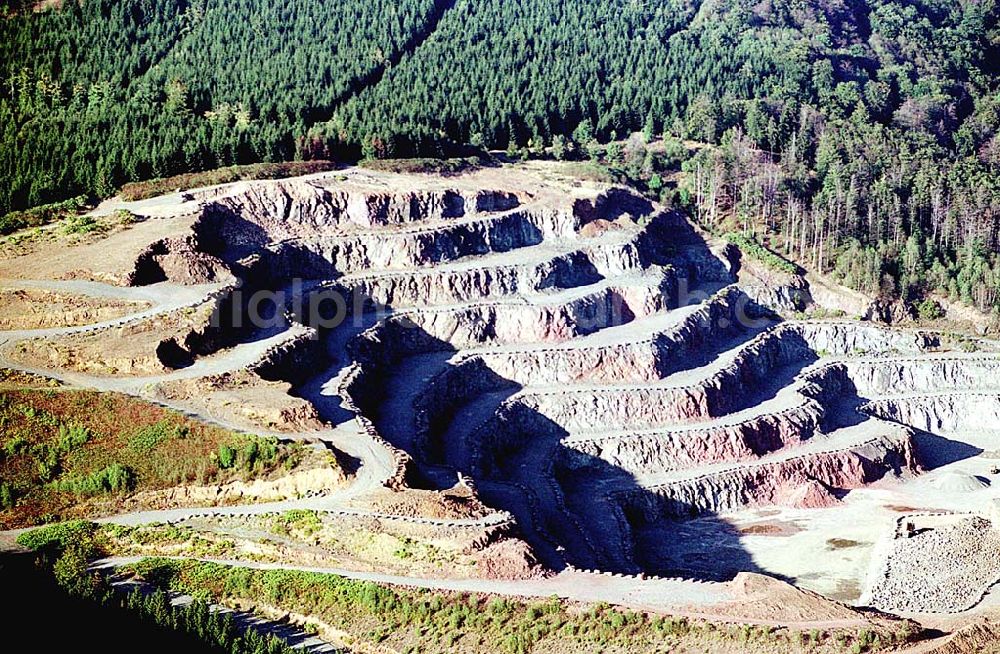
pixel 859 136
pixel 143 613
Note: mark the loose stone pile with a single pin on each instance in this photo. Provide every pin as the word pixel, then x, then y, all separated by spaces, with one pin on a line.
pixel 944 569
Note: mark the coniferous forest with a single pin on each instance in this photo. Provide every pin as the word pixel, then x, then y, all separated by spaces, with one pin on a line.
pixel 859 137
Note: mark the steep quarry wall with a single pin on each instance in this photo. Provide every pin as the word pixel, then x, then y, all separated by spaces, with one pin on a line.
pixel 577 354
pixel 942 412
pixel 741 382
pixel 770 482
pixel 665 450
pixel 897 376
pixel 648 357
pixel 436 286
pixel 297 208
pixel 743 436
pixel 496 323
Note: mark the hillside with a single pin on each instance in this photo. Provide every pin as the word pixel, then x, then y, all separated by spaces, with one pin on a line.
pixel 861 133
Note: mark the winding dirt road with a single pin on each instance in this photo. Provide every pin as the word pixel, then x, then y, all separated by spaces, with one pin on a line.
pixel 376 465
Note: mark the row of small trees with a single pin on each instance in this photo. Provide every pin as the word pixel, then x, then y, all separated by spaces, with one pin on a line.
pixel 69 547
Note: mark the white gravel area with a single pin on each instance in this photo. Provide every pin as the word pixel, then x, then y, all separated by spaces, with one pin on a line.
pixel 941 569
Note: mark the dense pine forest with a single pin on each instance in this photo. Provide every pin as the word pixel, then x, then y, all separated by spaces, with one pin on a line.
pixel 858 137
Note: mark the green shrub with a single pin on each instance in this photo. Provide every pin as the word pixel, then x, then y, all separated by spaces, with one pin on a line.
pixel 71 437
pixel 41 215
pixel 115 478
pixel 752 248
pixel 8 496
pixel 59 537
pixel 80 225
pixel 227 457
pixel 930 309
pixel 251 453
pixel 303 519
pixel 145 439
pixel 15 445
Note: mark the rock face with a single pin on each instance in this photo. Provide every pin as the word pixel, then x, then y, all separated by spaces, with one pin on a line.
pixel 297 484
pixel 179 261
pixel 573 355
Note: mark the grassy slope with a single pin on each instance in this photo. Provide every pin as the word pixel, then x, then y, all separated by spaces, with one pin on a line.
pixel 427 621
pixel 70 452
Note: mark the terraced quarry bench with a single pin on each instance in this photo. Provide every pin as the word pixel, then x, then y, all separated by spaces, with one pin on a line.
pixel 584 361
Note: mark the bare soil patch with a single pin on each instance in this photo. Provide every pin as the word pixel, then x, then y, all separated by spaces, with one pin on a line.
pixel 244 398
pixel 130 349
pixel 104 255
pixel 22 309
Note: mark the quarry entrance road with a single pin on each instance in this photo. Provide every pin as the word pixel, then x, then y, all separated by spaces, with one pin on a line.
pixel 654 595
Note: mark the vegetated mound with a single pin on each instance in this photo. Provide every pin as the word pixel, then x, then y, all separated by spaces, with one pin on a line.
pixel 315 473
pixel 105 255
pixel 70 453
pixel 343 540
pixel 958 482
pixel 12 380
pixel 483 622
pixel 144 190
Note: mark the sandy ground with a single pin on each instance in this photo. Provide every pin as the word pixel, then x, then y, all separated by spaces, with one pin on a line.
pixel 30 308
pixel 106 259
pixel 834 550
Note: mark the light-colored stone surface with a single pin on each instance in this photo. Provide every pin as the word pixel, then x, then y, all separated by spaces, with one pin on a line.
pixel 568 353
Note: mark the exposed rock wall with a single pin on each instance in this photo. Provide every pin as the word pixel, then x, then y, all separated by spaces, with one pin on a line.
pixel 769 482
pixel 294 208
pixel 941 413
pixel 647 358
pixel 293 361
pixel 896 376
pixel 573 384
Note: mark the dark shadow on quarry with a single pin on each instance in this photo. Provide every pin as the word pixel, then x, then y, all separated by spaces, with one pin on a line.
pixel 224 233
pixel 517 462
pixel 934 451
pixel 565 515
pixel 672 240
pixel 590 513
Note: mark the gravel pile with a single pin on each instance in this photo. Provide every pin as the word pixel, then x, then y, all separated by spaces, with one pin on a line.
pixel 943 570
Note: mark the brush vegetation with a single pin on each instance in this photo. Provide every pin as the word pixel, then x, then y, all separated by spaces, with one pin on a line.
pixel 64 453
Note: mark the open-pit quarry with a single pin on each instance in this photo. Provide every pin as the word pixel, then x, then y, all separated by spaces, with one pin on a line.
pixel 554 386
